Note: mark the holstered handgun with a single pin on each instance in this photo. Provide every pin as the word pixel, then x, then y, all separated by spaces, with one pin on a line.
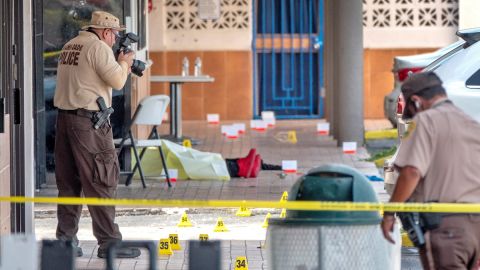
pixel 411 224
pixel 103 116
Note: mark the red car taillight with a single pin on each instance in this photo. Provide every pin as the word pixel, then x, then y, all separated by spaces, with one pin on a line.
pixel 400 105
pixel 403 73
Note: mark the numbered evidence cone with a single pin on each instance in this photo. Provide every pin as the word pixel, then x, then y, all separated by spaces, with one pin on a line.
pixel 241 263
pixel 187 143
pixel 184 222
pixel 164 247
pixel 292 136
pixel 220 226
pixel 243 212
pixel 265 221
pixel 284 197
pixel 406 242
pixel 203 237
pixel 174 242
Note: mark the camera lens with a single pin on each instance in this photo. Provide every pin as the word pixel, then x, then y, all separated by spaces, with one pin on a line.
pixel 138 67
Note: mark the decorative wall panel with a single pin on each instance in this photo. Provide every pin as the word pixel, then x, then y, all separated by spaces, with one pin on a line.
pixel 409 23
pixel 176 25
pixel 234 15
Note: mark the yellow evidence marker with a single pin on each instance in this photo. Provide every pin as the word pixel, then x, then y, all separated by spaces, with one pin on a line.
pixel 283 214
pixel 241 263
pixel 284 197
pixel 187 143
pixel 243 212
pixel 220 226
pixel 265 222
pixel 203 237
pixel 292 136
pixel 406 242
pixel 184 222
pixel 164 247
pixel 174 242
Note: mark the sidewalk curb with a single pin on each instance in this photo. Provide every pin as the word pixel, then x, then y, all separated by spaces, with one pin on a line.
pixel 381 134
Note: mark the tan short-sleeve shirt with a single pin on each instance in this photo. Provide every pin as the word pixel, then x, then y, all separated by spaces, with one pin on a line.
pixel 443 143
pixel 87 69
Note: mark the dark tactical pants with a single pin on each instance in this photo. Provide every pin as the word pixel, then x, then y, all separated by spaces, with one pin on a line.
pixel 454 245
pixel 86 162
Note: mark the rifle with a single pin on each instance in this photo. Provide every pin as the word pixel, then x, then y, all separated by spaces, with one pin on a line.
pixel 103 116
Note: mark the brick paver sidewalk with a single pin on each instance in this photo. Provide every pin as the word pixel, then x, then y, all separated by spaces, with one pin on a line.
pixel 310 151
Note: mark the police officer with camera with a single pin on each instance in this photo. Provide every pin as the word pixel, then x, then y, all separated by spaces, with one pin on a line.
pixel 85 156
pixel 439 161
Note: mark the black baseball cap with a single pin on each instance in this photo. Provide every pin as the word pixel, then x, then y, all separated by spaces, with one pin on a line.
pixel 416 83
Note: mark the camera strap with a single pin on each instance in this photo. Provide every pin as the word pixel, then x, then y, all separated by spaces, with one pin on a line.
pixel 91 31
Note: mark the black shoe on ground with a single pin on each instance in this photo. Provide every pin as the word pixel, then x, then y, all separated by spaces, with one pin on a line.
pixel 77 251
pixel 126 252
pixel 271 167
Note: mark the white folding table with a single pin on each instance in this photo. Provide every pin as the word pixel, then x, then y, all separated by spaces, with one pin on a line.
pixel 176 100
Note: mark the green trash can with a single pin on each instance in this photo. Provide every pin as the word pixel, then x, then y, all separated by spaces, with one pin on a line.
pixel 330 239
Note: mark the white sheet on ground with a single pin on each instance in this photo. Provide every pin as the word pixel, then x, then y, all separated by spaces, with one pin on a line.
pixel 194 164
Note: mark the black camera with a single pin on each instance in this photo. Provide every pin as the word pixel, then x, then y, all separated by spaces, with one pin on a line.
pixel 124 44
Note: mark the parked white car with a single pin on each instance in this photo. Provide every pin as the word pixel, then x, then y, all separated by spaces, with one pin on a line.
pixel 459 69
pixel 402 67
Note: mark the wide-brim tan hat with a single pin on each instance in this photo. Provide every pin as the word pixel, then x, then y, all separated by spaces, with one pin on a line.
pixel 102 20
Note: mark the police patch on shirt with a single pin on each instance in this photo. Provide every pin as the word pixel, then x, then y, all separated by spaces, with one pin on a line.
pixel 411 127
pixel 69 55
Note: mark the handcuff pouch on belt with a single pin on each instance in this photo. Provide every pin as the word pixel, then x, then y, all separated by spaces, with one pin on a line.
pixel 103 116
pixel 430 221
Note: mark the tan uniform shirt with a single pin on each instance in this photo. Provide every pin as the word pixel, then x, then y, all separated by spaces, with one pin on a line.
pixel 87 69
pixel 444 145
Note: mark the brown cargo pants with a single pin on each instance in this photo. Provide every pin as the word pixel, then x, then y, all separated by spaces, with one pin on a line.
pixel 86 162
pixel 454 245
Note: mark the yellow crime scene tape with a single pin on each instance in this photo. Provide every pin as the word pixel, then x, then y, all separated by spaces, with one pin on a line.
pixel 51 54
pixel 291 205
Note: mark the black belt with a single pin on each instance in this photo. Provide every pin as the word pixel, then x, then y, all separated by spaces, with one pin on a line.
pixel 79 112
pixel 459 214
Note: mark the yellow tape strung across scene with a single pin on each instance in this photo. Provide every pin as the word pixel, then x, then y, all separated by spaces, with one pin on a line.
pixel 291 205
pixel 51 54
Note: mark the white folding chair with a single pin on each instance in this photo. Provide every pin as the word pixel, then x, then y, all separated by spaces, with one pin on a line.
pixel 150 111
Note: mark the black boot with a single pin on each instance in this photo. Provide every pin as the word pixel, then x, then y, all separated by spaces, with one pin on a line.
pixel 270 167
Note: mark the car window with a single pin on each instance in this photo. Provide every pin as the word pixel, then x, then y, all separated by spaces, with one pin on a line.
pixel 474 80
pixel 453 50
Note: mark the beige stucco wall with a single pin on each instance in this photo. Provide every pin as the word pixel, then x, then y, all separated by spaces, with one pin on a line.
pixel 468 17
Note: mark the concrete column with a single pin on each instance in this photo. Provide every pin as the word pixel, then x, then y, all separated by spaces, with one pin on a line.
pixel 347 70
pixel 329 63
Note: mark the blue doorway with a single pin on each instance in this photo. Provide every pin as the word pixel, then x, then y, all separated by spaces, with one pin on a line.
pixel 288 58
